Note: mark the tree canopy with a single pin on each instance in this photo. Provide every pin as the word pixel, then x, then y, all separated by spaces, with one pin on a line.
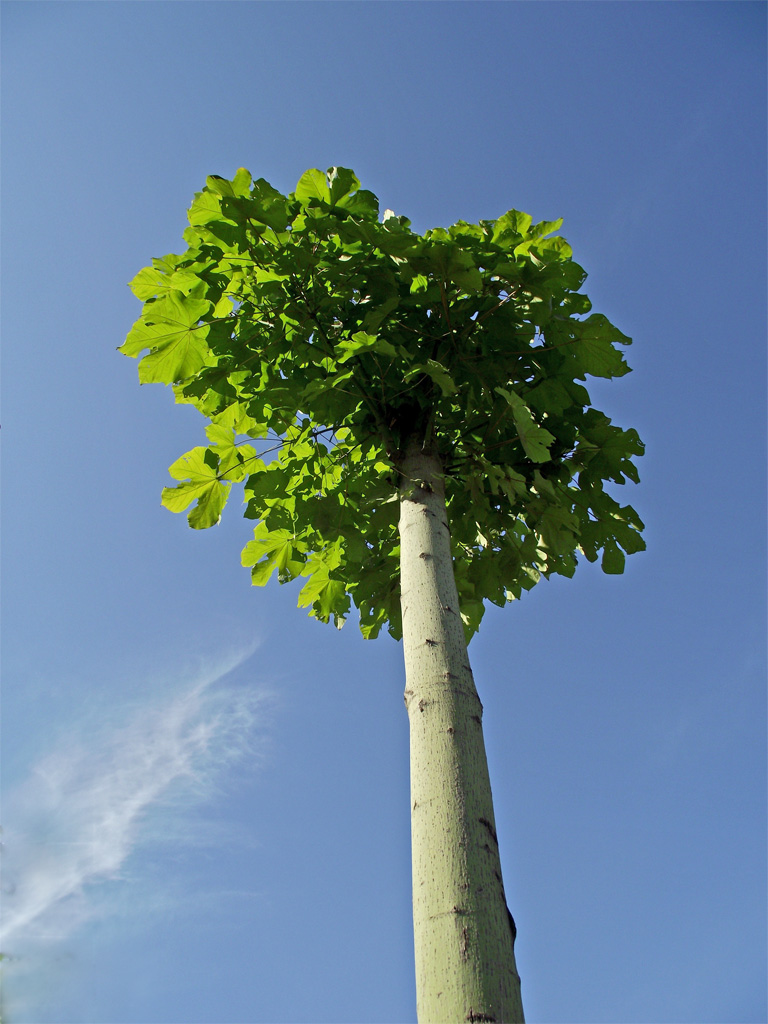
pixel 335 337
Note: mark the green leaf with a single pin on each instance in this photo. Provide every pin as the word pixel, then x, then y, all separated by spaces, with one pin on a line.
pixel 239 186
pixel 206 207
pixel 219 185
pixel 472 611
pixel 363 342
pixel 361 204
pixel 462 231
pixel 375 317
pixel 342 183
pixel 545 227
pixel 234 461
pixel 198 471
pixel 462 270
pixel 150 282
pixel 558 529
pixel 327 597
pixel 268 205
pixel 535 440
pixel 509 229
pixel 218 219
pixel 550 396
pixel 436 372
pixel 312 187
pixel 613 558
pixel 270 550
pixel 605 451
pixel 170 327
pixel 594 349
pixel 241 183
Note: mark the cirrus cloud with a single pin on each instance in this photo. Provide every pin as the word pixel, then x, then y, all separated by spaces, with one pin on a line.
pixel 98 796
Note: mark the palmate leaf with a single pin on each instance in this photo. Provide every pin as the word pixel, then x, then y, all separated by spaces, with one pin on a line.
pixel 273 549
pixel 149 282
pixel 342 182
pixel 170 328
pixel 234 461
pixel 239 186
pixel 613 559
pixel 155 281
pixel 363 342
pixel 595 347
pixel 606 451
pixel 198 471
pixel 325 596
pixel 511 228
pixel 435 372
pixel 534 439
pixel 313 185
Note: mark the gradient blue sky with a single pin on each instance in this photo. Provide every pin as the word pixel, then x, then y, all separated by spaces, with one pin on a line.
pixel 206 793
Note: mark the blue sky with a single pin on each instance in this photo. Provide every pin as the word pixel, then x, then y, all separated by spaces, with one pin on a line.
pixel 206 793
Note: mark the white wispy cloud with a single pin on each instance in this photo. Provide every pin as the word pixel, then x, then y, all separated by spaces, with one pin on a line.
pixel 88 804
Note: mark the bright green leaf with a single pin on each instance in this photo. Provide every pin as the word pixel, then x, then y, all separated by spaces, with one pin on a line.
pixel 198 471
pixel 170 328
pixel 150 282
pixel 205 208
pixel 313 185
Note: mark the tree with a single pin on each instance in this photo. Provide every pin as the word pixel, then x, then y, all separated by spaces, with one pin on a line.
pixel 432 449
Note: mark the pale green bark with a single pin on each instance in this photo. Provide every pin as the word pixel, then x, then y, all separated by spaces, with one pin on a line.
pixel 463 931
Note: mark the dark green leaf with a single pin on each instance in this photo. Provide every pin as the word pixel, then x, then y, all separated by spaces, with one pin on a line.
pixel 613 558
pixel 595 348
pixel 534 438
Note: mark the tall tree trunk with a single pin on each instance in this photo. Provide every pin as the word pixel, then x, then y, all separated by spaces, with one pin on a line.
pixel 464 934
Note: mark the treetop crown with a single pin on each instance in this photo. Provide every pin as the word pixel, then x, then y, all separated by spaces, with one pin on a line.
pixel 337 337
